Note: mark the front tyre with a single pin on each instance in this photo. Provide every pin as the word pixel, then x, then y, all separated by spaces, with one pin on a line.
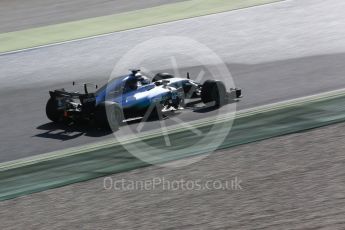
pixel 213 92
pixel 52 111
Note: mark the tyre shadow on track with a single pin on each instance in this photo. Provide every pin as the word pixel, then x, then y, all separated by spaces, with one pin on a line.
pixel 198 107
pixel 66 132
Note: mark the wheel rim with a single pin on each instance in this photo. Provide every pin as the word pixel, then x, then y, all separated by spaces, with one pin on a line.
pixel 114 118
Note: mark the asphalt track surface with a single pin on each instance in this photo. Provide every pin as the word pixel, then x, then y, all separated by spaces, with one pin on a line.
pixel 300 54
pixel 290 182
pixel 22 14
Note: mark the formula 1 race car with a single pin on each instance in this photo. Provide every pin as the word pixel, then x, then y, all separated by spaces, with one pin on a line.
pixel 134 95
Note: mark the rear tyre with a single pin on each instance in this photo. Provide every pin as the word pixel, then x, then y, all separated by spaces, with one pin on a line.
pixel 162 76
pixel 213 92
pixel 109 115
pixel 154 112
pixel 52 111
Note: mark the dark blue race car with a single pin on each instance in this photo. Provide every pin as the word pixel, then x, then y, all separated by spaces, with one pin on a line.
pixel 132 96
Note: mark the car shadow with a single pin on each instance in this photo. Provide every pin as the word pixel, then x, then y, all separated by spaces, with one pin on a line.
pixel 198 107
pixel 65 132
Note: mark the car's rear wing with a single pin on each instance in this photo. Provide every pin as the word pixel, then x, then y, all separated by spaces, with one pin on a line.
pixel 87 100
pixel 62 93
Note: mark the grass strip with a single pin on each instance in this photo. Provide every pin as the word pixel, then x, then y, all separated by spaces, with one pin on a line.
pixel 58 33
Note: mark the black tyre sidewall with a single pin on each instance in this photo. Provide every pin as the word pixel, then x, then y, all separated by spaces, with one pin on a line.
pixel 52 111
pixel 109 115
pixel 213 91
